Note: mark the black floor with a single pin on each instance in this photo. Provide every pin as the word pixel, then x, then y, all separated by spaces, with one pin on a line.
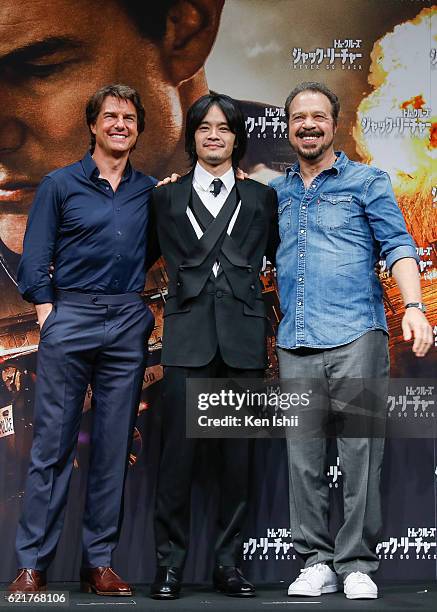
pixel 393 597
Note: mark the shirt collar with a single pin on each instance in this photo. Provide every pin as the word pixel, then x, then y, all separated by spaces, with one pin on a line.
pixel 205 178
pixel 92 172
pixel 337 168
pixel 89 165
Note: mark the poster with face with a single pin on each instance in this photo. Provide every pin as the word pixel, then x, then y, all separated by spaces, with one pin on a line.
pixel 379 58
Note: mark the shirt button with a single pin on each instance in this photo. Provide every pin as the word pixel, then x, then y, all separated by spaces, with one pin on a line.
pixel 107 188
pixel 252 287
pixel 94 300
pixel 118 233
pixel 219 294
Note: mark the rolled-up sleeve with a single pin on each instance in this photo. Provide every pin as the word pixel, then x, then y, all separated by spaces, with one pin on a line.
pixel 34 282
pixel 386 221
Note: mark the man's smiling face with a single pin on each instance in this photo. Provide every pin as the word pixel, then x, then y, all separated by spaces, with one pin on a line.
pixel 214 138
pixel 311 126
pixel 116 127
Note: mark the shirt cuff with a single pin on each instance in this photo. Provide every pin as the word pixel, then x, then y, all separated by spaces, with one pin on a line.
pixel 43 295
pixel 401 252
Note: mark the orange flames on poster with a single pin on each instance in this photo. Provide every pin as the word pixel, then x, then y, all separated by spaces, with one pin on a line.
pixel 403 78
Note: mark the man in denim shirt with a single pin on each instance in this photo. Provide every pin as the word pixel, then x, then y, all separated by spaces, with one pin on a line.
pixel 337 219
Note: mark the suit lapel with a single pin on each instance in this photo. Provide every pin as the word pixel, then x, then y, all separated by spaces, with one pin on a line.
pixel 248 196
pixel 180 198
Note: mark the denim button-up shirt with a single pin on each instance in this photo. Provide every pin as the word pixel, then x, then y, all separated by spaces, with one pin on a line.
pixel 332 234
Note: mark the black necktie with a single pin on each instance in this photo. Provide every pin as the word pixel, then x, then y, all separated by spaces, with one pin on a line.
pixel 216 186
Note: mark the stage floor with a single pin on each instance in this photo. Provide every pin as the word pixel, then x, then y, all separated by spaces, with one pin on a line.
pixel 394 597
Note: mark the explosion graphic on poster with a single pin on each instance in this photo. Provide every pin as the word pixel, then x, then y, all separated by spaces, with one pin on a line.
pixel 396 130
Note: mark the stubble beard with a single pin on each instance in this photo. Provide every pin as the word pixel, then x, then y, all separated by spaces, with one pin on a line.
pixel 214 159
pixel 311 154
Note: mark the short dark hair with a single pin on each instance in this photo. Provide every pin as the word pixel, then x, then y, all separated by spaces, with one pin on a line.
pixel 234 116
pixel 150 17
pixel 122 92
pixel 319 88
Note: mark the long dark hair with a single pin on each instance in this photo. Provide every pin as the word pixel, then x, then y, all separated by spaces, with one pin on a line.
pixel 234 116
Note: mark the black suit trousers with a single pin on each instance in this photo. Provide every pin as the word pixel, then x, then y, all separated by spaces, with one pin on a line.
pixel 172 512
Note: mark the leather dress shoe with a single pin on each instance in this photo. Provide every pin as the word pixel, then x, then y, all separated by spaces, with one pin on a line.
pixel 167 583
pixel 28 581
pixel 230 581
pixel 103 581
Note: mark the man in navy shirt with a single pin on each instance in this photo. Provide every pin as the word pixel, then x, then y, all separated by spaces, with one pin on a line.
pixel 89 219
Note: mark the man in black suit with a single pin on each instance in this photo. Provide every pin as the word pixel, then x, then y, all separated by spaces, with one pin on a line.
pixel 213 232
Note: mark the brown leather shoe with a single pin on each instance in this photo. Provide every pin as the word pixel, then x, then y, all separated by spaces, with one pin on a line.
pixel 28 581
pixel 103 581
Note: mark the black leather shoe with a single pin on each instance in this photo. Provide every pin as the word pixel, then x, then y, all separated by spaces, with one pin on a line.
pixel 230 581
pixel 167 583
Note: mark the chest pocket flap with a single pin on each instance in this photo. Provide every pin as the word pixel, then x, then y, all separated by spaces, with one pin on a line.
pixel 334 210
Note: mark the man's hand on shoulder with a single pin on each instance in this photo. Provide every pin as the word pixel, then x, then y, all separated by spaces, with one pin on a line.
pixel 240 174
pixel 168 179
pixel 415 325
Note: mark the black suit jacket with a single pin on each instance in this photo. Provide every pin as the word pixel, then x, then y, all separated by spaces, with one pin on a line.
pixel 195 327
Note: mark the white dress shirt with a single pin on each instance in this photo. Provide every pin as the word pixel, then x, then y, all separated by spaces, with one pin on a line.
pixel 202 180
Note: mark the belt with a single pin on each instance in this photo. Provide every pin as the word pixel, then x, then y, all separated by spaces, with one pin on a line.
pixel 97 298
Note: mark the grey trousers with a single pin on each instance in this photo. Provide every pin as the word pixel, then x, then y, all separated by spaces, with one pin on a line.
pixel 354 547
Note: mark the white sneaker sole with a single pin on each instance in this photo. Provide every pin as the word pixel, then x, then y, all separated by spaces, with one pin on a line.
pixel 331 588
pixel 362 596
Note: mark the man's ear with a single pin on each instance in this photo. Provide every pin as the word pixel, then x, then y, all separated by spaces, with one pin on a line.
pixel 190 33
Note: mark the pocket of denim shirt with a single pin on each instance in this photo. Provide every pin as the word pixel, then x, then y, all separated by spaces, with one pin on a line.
pixel 284 214
pixel 333 210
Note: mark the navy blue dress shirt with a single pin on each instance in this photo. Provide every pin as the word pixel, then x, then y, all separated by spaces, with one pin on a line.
pixel 95 237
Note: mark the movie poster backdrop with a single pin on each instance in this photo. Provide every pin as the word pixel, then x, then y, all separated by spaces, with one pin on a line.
pixel 381 60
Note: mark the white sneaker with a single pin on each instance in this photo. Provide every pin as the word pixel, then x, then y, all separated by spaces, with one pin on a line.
pixel 314 580
pixel 360 586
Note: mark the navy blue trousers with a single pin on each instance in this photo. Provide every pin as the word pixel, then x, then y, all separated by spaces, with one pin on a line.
pixel 86 339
